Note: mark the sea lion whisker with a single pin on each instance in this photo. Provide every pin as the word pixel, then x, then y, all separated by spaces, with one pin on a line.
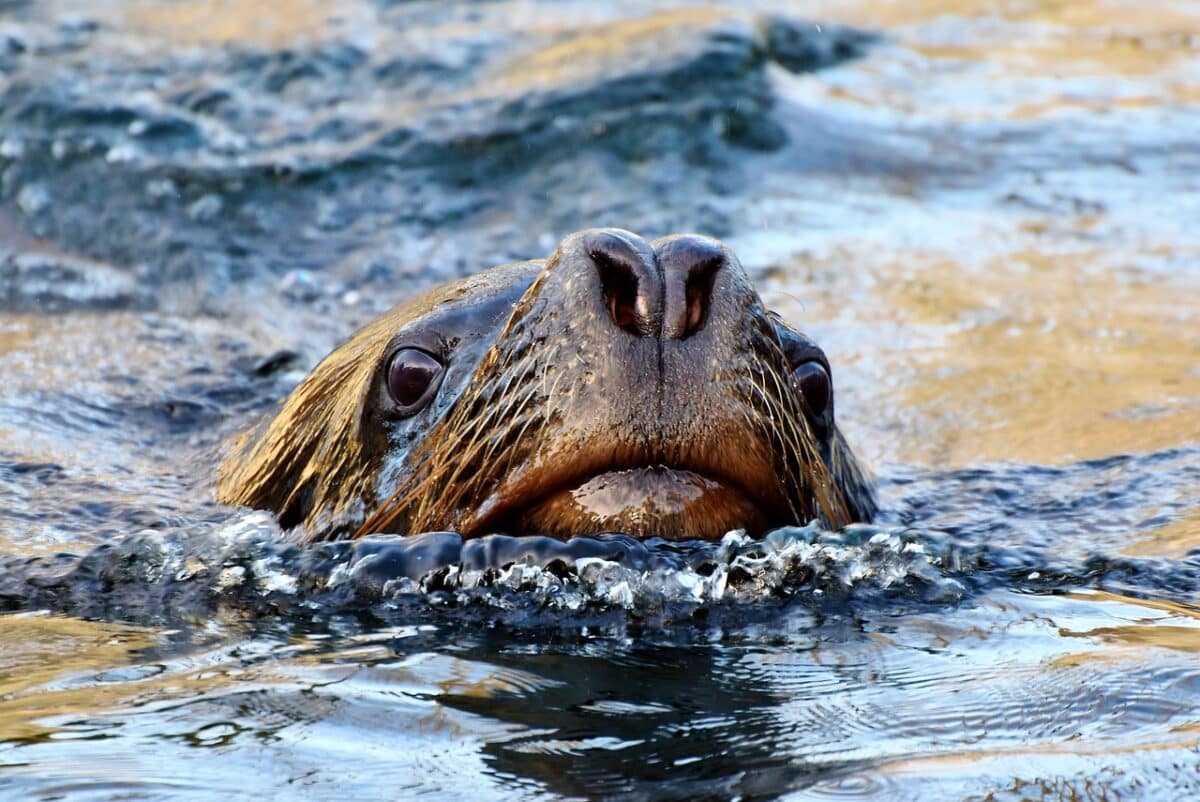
pixel 470 436
pixel 774 412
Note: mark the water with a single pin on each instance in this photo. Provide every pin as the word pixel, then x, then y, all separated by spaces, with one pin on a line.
pixel 983 212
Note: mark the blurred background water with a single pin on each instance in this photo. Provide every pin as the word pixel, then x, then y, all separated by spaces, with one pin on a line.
pixel 985 212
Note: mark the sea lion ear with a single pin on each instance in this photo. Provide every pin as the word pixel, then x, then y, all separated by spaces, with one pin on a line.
pixel 308 463
pixel 273 467
pixel 263 470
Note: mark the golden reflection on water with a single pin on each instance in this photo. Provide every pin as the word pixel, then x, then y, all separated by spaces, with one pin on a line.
pixel 57 674
pixel 1074 38
pixel 1131 54
pixel 1174 540
pixel 594 49
pixel 1054 363
pixel 1117 636
pixel 1114 36
pixel 279 23
pixel 48 665
pixel 1028 356
pixel 1068 326
pixel 1002 760
pixel 1138 625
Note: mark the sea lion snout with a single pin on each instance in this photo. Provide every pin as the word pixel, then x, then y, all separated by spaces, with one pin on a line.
pixel 662 291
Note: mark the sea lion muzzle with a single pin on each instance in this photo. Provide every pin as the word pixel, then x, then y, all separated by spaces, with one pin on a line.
pixel 620 385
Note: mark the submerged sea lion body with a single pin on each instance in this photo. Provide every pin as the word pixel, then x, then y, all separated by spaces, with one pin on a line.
pixel 620 385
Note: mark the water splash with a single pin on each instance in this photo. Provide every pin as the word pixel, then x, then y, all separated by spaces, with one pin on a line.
pixel 244 565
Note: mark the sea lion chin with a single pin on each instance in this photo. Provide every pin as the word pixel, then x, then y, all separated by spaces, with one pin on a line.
pixel 619 385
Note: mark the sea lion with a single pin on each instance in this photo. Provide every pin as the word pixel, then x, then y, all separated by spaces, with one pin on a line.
pixel 618 386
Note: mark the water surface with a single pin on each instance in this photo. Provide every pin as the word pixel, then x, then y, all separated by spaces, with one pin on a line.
pixel 983 212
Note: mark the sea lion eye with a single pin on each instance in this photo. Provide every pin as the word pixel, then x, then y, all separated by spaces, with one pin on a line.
pixel 412 377
pixel 815 385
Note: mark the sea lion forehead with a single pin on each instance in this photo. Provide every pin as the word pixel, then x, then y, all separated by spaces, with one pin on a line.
pixel 467 308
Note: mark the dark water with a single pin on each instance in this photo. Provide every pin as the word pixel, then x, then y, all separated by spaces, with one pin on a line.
pixel 985 213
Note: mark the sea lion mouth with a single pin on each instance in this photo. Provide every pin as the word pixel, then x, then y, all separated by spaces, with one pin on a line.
pixel 644 501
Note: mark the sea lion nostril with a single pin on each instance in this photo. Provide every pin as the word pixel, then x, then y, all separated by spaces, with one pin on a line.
pixel 689 268
pixel 629 283
pixel 619 284
pixel 701 277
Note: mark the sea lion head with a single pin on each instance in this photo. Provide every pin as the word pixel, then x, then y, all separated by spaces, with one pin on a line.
pixel 619 385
